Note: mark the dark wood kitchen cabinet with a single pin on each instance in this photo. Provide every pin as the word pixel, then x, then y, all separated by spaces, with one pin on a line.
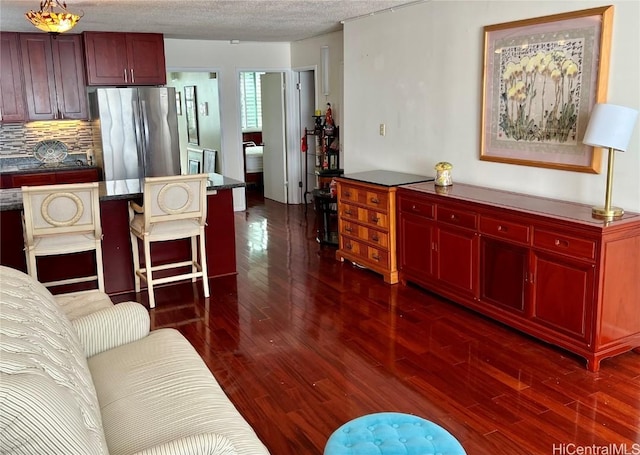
pixel 11 82
pixel 540 265
pixel 124 58
pixel 50 177
pixel 54 76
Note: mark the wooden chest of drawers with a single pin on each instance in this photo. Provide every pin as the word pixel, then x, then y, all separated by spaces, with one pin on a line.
pixel 366 223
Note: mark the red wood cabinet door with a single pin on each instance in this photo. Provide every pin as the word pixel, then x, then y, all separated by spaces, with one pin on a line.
pixel 106 58
pixel 146 64
pixel 503 274
pixel 457 258
pixel 69 77
pixel 563 294
pixel 12 107
pixel 37 66
pixel 415 237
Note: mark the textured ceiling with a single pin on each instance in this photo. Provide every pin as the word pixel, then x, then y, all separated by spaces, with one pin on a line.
pixel 244 20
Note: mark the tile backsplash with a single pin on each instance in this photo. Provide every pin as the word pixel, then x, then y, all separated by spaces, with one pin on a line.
pixel 17 141
pixel 21 138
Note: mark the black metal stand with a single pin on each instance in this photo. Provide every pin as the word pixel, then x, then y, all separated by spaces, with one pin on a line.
pixel 326 207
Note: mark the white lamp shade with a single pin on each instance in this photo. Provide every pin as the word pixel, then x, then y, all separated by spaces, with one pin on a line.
pixel 610 126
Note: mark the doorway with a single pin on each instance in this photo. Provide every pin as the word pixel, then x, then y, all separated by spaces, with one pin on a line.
pixel 199 121
pixel 279 124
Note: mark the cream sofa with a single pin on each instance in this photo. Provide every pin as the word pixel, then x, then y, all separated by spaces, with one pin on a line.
pixel 79 375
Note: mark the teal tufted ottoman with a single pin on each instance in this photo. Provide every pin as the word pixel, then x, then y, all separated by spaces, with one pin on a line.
pixel 392 433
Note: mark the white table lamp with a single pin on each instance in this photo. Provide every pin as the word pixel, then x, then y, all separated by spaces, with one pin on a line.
pixel 610 126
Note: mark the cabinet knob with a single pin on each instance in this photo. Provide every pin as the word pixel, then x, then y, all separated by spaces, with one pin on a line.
pixel 562 243
pixel 348 229
pixel 348 246
pixel 125 75
pixel 375 257
pixel 375 238
pixel 348 212
pixel 375 219
pixel 375 200
pixel 502 228
pixel 347 193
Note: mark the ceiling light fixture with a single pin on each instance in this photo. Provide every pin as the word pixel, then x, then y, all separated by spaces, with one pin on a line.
pixel 51 21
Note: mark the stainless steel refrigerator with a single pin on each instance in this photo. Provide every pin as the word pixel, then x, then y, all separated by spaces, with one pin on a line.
pixel 138 130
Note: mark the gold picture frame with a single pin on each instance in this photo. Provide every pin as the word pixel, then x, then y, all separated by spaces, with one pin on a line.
pixel 541 78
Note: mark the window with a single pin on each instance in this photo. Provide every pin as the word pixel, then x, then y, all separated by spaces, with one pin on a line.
pixel 250 100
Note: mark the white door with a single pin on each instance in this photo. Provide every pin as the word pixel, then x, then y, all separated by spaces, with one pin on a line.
pixel 273 137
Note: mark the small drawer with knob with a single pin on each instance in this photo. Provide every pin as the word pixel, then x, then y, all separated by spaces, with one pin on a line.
pixel 507 230
pixel 420 208
pixel 456 217
pixel 564 244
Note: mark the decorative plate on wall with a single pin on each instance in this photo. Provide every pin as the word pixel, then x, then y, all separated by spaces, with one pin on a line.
pixel 50 151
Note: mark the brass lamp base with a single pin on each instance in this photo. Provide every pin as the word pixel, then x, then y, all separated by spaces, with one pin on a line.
pixel 602 212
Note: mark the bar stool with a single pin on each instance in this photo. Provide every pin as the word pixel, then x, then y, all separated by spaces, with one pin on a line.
pixel 62 219
pixel 173 208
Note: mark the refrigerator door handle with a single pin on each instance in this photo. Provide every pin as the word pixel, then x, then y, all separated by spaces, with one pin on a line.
pixel 145 124
pixel 137 121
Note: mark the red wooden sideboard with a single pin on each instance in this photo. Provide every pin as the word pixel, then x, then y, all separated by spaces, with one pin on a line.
pixel 542 266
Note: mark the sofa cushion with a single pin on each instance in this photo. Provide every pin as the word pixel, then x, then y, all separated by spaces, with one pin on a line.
pixel 157 390
pixel 47 396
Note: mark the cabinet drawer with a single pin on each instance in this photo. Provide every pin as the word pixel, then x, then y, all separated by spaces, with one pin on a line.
pixel 564 244
pixel 349 228
pixel 375 199
pixel 456 217
pixel 348 193
pixel 378 256
pixel 353 247
pixel 360 232
pixel 381 239
pixel 420 208
pixel 504 229
pixel 348 211
pixel 373 218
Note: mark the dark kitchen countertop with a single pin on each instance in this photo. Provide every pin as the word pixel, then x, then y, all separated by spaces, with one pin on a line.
pixel 386 178
pixel 11 199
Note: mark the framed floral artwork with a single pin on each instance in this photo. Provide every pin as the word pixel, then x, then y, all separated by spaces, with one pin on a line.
pixel 541 79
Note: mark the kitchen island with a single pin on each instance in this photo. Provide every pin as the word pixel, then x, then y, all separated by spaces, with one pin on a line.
pixel 116 245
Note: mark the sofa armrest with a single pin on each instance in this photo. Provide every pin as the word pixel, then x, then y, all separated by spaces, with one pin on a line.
pixel 199 444
pixel 112 327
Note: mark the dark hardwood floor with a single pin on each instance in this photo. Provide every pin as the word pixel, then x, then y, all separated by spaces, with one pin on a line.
pixel 302 343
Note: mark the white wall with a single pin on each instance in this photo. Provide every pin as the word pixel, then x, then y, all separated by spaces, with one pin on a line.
pixel 307 54
pixel 419 71
pixel 227 60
